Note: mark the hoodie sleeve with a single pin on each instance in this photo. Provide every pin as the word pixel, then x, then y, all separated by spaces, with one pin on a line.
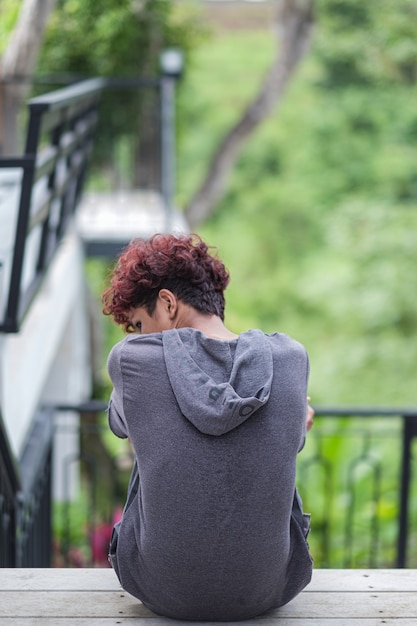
pixel 115 409
pixel 304 434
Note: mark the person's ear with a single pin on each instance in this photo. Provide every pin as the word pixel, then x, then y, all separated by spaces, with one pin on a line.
pixel 169 302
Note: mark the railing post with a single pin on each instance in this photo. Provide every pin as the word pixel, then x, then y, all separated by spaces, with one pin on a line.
pixel 172 67
pixel 14 297
pixel 409 432
pixel 9 488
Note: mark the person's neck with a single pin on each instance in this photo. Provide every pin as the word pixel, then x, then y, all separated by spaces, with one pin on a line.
pixel 210 325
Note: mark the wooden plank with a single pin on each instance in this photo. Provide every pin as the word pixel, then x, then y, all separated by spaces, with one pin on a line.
pixel 60 604
pixel 104 579
pixel 70 604
pixel 363 580
pixel 359 605
pixel 137 621
pixel 35 597
pixel 99 579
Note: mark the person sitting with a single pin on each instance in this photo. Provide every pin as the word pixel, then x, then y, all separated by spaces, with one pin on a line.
pixel 213 527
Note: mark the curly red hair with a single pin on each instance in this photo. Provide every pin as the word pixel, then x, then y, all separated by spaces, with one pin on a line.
pixel 181 263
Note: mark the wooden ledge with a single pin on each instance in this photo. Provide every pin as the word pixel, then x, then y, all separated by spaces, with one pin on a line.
pixel 93 597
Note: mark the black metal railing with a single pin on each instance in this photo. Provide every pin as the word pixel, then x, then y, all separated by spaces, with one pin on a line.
pixel 151 112
pixel 58 145
pixel 25 497
pixel 9 488
pixel 354 474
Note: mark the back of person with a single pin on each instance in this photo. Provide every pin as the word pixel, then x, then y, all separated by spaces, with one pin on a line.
pixel 209 530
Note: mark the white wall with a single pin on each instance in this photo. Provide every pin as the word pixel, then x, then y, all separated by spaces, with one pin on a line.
pixel 48 361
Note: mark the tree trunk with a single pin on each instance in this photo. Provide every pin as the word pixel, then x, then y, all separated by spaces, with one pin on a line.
pixel 147 171
pixel 294 26
pixel 17 66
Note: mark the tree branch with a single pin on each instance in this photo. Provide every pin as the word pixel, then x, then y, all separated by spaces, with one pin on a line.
pixel 294 26
pixel 18 62
pixel 21 54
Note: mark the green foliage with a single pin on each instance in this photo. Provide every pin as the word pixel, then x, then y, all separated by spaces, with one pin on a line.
pixel 222 75
pixel 118 38
pixel 365 43
pixel 97 274
pixel 97 39
pixel 318 223
pixel 9 11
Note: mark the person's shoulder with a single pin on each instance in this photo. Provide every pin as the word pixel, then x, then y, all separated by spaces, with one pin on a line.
pixel 134 342
pixel 283 342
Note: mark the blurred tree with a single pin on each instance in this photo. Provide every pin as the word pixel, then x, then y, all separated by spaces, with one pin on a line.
pixel 125 38
pixel 367 43
pixel 293 29
pixel 360 51
pixel 121 38
pixel 18 61
pixel 318 222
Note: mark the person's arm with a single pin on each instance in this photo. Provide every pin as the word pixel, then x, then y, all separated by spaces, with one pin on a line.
pixel 116 416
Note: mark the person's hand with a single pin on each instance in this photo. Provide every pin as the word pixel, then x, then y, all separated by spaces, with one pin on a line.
pixel 310 414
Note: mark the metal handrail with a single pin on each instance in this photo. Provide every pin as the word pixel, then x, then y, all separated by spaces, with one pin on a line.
pixel 10 470
pixel 408 416
pixel 28 480
pixel 58 146
pixel 409 433
pixel 25 496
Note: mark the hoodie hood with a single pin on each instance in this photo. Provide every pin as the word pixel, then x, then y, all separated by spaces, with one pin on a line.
pixel 215 407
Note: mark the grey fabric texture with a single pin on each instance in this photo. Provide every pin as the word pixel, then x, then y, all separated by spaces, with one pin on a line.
pixel 209 530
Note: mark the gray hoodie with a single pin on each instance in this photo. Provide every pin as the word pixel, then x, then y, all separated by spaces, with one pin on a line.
pixel 211 529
